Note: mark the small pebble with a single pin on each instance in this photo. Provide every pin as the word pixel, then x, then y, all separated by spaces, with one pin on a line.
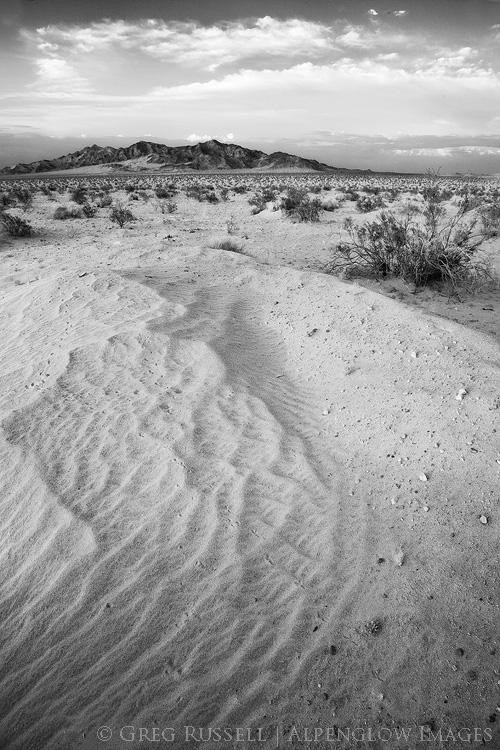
pixel 483 519
pixel 460 395
pixel 423 477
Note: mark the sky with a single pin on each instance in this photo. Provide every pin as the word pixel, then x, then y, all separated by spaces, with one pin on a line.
pixel 406 86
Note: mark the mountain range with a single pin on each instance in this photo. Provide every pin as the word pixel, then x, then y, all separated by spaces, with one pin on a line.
pixel 146 156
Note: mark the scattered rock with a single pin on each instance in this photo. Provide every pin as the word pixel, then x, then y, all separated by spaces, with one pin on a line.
pixel 483 519
pixel 399 558
pixel 333 650
pixel 414 355
pixel 423 477
pixel 460 395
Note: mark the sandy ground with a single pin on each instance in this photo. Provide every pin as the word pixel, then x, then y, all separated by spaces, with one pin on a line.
pixel 238 492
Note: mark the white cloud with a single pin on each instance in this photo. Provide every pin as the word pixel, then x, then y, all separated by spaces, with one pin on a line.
pixel 193 43
pixel 194 138
pixel 399 13
pixel 372 12
pixel 55 75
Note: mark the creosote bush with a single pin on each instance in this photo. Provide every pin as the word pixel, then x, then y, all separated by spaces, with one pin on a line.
pixel 79 195
pixel 67 212
pixel 121 215
pixel 419 248
pixel 89 210
pixel 15 226
pixel 297 205
pixel 23 196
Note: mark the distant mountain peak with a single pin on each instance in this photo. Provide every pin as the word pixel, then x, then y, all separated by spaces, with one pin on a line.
pixel 202 156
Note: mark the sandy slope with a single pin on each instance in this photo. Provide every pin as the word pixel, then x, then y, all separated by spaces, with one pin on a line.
pixel 213 480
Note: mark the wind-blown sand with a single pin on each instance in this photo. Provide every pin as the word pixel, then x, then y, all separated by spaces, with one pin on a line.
pixel 213 481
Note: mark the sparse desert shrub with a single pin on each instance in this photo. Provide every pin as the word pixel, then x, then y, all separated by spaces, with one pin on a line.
pixel 79 195
pixel 231 225
pixel 419 251
pixel 240 189
pixel 257 202
pixel 121 215
pixel 15 226
pixel 224 194
pixel 171 207
pixel 129 187
pixel 351 195
pixel 490 219
pixel 330 205
pixel 105 201
pixel 6 200
pixel 227 244
pixel 23 196
pixel 89 210
pixel 165 192
pixel 212 197
pixel 297 205
pixel 67 212
pixel 133 197
pixel 367 203
pixel 196 191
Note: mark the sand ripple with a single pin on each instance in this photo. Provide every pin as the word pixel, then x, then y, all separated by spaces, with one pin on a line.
pixel 174 525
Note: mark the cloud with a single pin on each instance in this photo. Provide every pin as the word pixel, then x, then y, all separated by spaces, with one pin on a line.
pixel 194 138
pixel 400 13
pixel 55 75
pixel 190 42
pixel 372 12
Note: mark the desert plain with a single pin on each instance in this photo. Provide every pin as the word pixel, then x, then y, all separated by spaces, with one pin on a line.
pixel 240 491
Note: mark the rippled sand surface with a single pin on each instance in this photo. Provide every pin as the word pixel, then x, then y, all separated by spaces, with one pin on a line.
pixel 197 485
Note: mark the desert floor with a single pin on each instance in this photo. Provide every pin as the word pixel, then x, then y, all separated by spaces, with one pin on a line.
pixel 240 492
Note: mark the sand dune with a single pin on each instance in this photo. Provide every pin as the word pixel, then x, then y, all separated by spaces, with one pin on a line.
pixel 211 474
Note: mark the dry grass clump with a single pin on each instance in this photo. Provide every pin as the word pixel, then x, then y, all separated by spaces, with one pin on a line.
pixel 419 247
pixel 227 243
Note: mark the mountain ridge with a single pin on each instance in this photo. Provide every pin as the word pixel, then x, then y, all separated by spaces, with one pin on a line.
pixel 145 155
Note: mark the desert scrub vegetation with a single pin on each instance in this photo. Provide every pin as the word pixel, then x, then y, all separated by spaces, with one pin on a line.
pixel 23 197
pixel 298 206
pixel 258 203
pixel 490 219
pixel 68 212
pixel 121 215
pixel 367 203
pixel 14 226
pixel 79 195
pixel 420 246
pixel 227 243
